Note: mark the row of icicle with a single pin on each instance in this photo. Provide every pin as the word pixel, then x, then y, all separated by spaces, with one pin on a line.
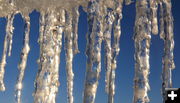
pixel 103 22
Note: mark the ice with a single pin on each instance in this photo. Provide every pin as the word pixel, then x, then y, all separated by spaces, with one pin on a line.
pixel 142 39
pixel 58 17
pixel 11 28
pixel 154 21
pixel 23 61
pixel 71 48
pixel 75 19
pixel 109 19
pixel 93 51
pixel 166 33
pixel 7 45
pixel 115 49
pixel 47 80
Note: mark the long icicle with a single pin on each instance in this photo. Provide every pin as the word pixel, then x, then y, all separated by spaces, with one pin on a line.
pixel 115 49
pixel 142 39
pixel 46 84
pixel 68 37
pixel 154 21
pixel 75 20
pixel 23 61
pixel 7 41
pixel 109 18
pixel 93 51
pixel 11 28
pixel 71 48
pixel 89 54
pixel 11 34
pixel 167 35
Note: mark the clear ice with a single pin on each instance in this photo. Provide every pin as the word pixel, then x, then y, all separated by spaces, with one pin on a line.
pixel 23 61
pixel 93 50
pixel 166 33
pixel 50 40
pixel 142 39
pixel 71 48
pixel 6 49
pixel 60 17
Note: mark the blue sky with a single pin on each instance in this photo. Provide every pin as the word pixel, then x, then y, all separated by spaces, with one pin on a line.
pixel 124 72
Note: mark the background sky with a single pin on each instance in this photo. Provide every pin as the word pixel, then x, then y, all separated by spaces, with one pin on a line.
pixel 124 72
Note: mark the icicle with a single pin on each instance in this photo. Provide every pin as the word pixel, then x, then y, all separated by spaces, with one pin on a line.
pixel 7 42
pixel 109 18
pixel 142 39
pixel 3 63
pixel 41 30
pixel 68 36
pixel 154 7
pixel 161 21
pixel 167 35
pixel 71 48
pixel 46 84
pixel 23 61
pixel 93 51
pixel 11 28
pixel 115 49
pixel 89 53
pixel 162 28
pixel 75 20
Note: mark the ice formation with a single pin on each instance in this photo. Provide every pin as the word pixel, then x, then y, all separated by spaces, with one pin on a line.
pixel 142 39
pixel 22 64
pixel 166 33
pixel 60 17
pixel 7 45
pixel 50 40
